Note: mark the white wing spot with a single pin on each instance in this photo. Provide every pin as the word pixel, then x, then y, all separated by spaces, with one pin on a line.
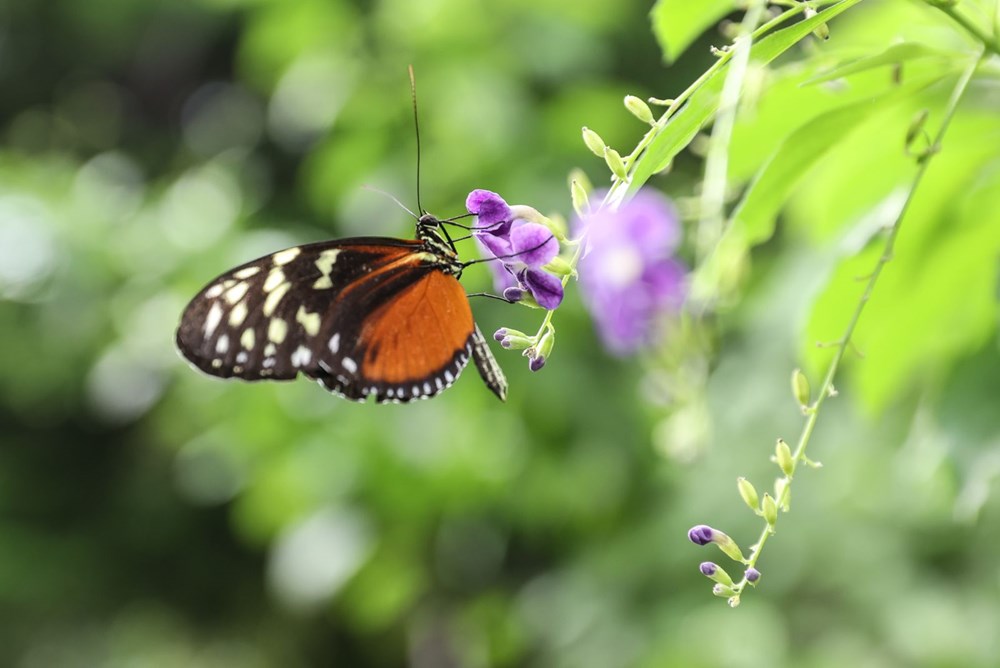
pixel 238 314
pixel 309 321
pixel 246 273
pixel 222 345
pixel 216 363
pixel 440 385
pixel 277 329
pixel 213 319
pixel 448 376
pixel 271 303
pixel 214 291
pixel 268 362
pixel 286 256
pixel 301 356
pixel 427 388
pixel 275 278
pixel 248 338
pixel 242 357
pixel 335 343
pixel 237 292
pixel 350 365
pixel 270 349
pixel 416 390
pixel 325 263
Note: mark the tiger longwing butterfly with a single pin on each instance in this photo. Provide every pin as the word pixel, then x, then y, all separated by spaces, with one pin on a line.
pixel 365 317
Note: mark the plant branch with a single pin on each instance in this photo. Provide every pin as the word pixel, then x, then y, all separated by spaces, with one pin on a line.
pixel 989 42
pixel 826 389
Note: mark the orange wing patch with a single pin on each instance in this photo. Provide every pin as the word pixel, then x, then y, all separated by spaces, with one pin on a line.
pixel 418 333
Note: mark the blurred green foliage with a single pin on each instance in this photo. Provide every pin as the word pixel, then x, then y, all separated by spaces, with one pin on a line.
pixel 152 516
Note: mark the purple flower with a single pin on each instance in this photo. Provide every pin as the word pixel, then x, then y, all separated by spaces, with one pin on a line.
pixel 752 574
pixel 708 568
pixel 523 247
pixel 629 278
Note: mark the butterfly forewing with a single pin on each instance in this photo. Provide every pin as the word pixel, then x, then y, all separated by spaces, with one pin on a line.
pixel 376 317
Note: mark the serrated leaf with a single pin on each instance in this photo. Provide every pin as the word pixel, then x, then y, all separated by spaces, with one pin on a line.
pixel 755 215
pixel 686 123
pixel 897 53
pixel 677 23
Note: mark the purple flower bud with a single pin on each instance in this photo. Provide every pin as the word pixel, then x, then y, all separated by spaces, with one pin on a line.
pixel 513 294
pixel 536 363
pixel 499 334
pixel 701 534
pixel 505 342
pixel 708 568
pixel 752 574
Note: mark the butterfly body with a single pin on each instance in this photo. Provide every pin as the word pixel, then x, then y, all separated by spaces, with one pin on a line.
pixel 366 317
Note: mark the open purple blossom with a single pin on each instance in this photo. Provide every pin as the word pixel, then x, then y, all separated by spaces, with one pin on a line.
pixel 522 246
pixel 629 278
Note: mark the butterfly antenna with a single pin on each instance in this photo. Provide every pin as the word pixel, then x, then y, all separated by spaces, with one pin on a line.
pixel 416 127
pixel 390 196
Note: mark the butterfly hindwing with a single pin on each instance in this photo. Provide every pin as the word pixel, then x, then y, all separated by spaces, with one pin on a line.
pixel 365 317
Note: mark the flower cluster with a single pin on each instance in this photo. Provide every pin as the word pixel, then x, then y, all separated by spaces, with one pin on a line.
pixel 528 269
pixel 524 244
pixel 629 278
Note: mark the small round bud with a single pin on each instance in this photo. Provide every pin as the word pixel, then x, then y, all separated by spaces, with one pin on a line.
pixel 594 142
pixel 769 509
pixel 513 294
pixel 749 493
pixel 713 572
pixel 783 456
pixel 752 575
pixel 536 363
pixel 615 163
pixel 639 109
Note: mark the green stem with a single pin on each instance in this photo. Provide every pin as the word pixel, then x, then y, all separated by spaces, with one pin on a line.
pixel 826 389
pixel 990 42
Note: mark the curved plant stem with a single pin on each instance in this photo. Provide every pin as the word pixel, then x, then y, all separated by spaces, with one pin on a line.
pixel 827 389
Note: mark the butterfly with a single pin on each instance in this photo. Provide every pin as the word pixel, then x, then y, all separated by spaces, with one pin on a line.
pixel 367 317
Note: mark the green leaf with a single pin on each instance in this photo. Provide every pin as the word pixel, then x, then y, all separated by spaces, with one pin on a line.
pixel 895 54
pixel 677 23
pixel 755 215
pixel 686 123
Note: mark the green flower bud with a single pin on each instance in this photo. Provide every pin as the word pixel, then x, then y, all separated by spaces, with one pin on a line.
pixel 714 572
pixel 660 103
pixel 748 493
pixel 723 591
pixel 547 342
pixel 558 266
pixel 783 456
pixel 594 142
pixel 581 203
pixel 615 163
pixel 822 30
pixel 800 388
pixel 639 109
pixel 916 127
pixel 734 601
pixel 770 509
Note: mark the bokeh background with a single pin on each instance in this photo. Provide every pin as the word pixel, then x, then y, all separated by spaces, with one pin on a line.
pixel 150 516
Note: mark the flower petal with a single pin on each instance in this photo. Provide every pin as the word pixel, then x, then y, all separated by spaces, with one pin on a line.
pixel 489 207
pixel 533 244
pixel 545 288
